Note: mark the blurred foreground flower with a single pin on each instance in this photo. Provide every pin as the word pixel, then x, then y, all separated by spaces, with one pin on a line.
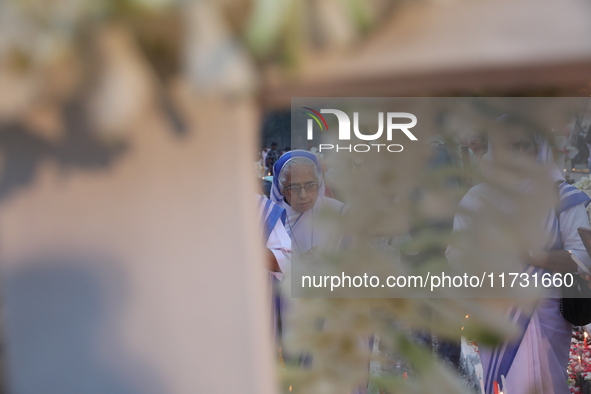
pixel 121 60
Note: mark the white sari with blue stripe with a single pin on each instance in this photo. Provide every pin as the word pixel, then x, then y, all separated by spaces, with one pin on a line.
pixel 536 361
pixel 269 213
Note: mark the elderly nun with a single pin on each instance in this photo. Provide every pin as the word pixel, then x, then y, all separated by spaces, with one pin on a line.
pixel 299 188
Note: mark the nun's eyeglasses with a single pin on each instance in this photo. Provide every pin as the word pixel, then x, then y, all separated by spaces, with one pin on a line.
pixel 296 189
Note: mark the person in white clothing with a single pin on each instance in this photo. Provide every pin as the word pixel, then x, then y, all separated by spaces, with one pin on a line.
pixel 278 254
pixel 299 188
pixel 536 361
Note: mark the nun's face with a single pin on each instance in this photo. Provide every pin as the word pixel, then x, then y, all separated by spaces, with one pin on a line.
pixel 521 143
pixel 515 141
pixel 301 188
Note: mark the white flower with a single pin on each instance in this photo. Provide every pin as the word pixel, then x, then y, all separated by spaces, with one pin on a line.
pixel 584 183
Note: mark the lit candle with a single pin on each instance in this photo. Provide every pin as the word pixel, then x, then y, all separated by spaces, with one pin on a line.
pixel 585 340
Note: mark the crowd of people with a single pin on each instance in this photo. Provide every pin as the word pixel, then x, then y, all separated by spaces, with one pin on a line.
pixel 537 359
pixel 268 157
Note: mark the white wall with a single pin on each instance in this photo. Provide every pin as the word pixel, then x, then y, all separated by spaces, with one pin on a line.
pixel 146 276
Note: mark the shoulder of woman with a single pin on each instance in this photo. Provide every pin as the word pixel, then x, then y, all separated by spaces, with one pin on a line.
pixel 472 200
pixel 570 196
pixel 566 188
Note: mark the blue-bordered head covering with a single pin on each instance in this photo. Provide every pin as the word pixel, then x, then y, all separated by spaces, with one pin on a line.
pixel 276 195
pixel 546 157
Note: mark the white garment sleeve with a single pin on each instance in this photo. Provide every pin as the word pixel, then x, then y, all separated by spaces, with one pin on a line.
pixel 279 244
pixel 570 221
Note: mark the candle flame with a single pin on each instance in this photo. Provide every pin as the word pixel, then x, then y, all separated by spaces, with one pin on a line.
pixel 467 316
pixel 289 388
pixel 585 334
